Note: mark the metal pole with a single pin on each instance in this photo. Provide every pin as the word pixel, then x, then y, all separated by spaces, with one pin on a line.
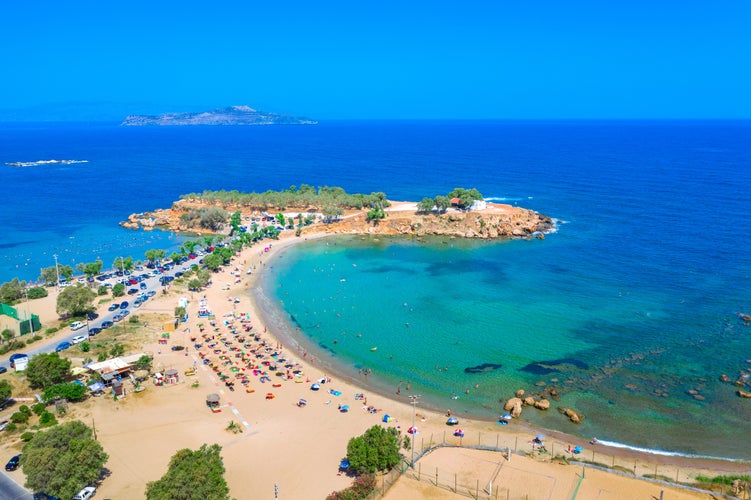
pixel 57 271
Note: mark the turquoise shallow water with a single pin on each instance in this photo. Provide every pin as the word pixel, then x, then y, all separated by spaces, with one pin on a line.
pixel 433 309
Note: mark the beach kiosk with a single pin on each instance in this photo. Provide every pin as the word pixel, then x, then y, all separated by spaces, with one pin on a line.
pixel 212 401
pixel 171 376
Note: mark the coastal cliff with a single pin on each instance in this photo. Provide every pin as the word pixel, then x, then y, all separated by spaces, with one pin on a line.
pixel 495 221
pixel 233 115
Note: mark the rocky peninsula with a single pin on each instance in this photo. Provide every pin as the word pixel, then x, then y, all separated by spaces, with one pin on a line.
pixel 492 221
pixel 233 115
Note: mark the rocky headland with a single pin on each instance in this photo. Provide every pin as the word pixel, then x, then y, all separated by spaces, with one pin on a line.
pixel 233 115
pixel 495 221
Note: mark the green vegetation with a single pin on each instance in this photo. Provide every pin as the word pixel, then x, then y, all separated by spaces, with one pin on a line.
pixel 46 370
pixel 12 291
pixel 376 450
pixel 90 269
pixel 123 263
pixel 49 274
pixel 118 290
pixel 143 363
pixel 5 390
pixel 192 475
pixel 62 460
pixel 69 391
pixel 75 300
pixel 361 489
pixel 304 197
pixel 727 480
pixel 37 292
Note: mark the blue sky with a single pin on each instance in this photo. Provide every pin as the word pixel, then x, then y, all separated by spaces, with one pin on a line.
pixel 408 59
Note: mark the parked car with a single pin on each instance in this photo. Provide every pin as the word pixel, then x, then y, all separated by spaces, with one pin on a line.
pixel 132 291
pixel 142 286
pixel 113 307
pixel 124 304
pixel 95 330
pixel 62 346
pixel 78 339
pixel 13 463
pixel 3 370
pixel 106 324
pixel 85 493
pixel 92 316
pixel 76 325
pixel 14 357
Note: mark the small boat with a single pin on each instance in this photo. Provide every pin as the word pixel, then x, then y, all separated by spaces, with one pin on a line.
pixel 373 349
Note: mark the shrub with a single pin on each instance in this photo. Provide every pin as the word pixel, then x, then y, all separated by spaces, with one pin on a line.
pixel 51 330
pixel 47 419
pixel 376 450
pixel 38 409
pixel 361 488
pixel 11 427
pixel 26 436
pixel 102 290
pixel 37 292
pixel 84 346
pixel 25 410
pixel 19 418
pixel 134 319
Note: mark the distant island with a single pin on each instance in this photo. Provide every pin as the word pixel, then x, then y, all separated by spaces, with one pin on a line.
pixel 233 115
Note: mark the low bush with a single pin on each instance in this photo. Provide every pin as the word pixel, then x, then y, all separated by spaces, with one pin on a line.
pixel 26 436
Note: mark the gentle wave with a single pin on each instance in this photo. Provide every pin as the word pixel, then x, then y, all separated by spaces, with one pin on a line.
pixel 614 444
pixel 43 162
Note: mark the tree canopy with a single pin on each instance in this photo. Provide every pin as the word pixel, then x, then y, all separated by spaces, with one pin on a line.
pixel 69 391
pixel 5 390
pixel 376 450
pixel 75 300
pixel 62 460
pixel 90 269
pixel 12 291
pixel 192 475
pixel 47 369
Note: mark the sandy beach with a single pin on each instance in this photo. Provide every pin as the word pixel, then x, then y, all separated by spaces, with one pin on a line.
pixel 298 448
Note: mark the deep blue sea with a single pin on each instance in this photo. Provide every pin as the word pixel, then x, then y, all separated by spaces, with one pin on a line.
pixel 632 303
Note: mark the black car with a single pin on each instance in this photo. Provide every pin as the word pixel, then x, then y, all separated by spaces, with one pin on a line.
pixel 3 369
pixel 113 307
pixel 13 463
pixel 92 316
pixel 124 304
pixel 95 330
pixel 178 347
pixel 106 324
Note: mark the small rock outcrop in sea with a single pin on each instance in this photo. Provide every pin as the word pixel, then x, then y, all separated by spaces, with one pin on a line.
pixel 744 394
pixel 572 415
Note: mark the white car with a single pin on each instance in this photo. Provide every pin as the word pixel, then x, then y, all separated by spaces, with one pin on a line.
pixel 85 493
pixel 76 325
pixel 78 339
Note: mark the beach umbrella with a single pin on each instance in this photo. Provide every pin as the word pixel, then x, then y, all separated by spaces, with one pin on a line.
pixel 506 416
pixel 315 387
pixel 452 421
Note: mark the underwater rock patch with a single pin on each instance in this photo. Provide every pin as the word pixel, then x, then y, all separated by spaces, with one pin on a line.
pixel 483 368
pixel 554 366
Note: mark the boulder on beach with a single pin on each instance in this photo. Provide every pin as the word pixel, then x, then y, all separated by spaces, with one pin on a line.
pixel 529 401
pixel 520 393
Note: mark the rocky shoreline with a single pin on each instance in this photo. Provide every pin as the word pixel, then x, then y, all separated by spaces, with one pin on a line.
pixel 496 221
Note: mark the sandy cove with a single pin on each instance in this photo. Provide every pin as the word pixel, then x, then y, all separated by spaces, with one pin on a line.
pixel 299 449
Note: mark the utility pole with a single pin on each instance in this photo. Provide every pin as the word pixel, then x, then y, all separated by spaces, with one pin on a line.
pixel 413 400
pixel 57 271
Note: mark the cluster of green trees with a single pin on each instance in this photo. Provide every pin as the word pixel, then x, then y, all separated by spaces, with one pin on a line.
pixel 376 450
pixel 14 290
pixel 62 460
pixel 302 197
pixel 192 475
pixel 441 203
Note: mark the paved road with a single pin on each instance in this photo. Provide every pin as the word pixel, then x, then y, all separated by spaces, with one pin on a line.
pixel 152 283
pixel 10 489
